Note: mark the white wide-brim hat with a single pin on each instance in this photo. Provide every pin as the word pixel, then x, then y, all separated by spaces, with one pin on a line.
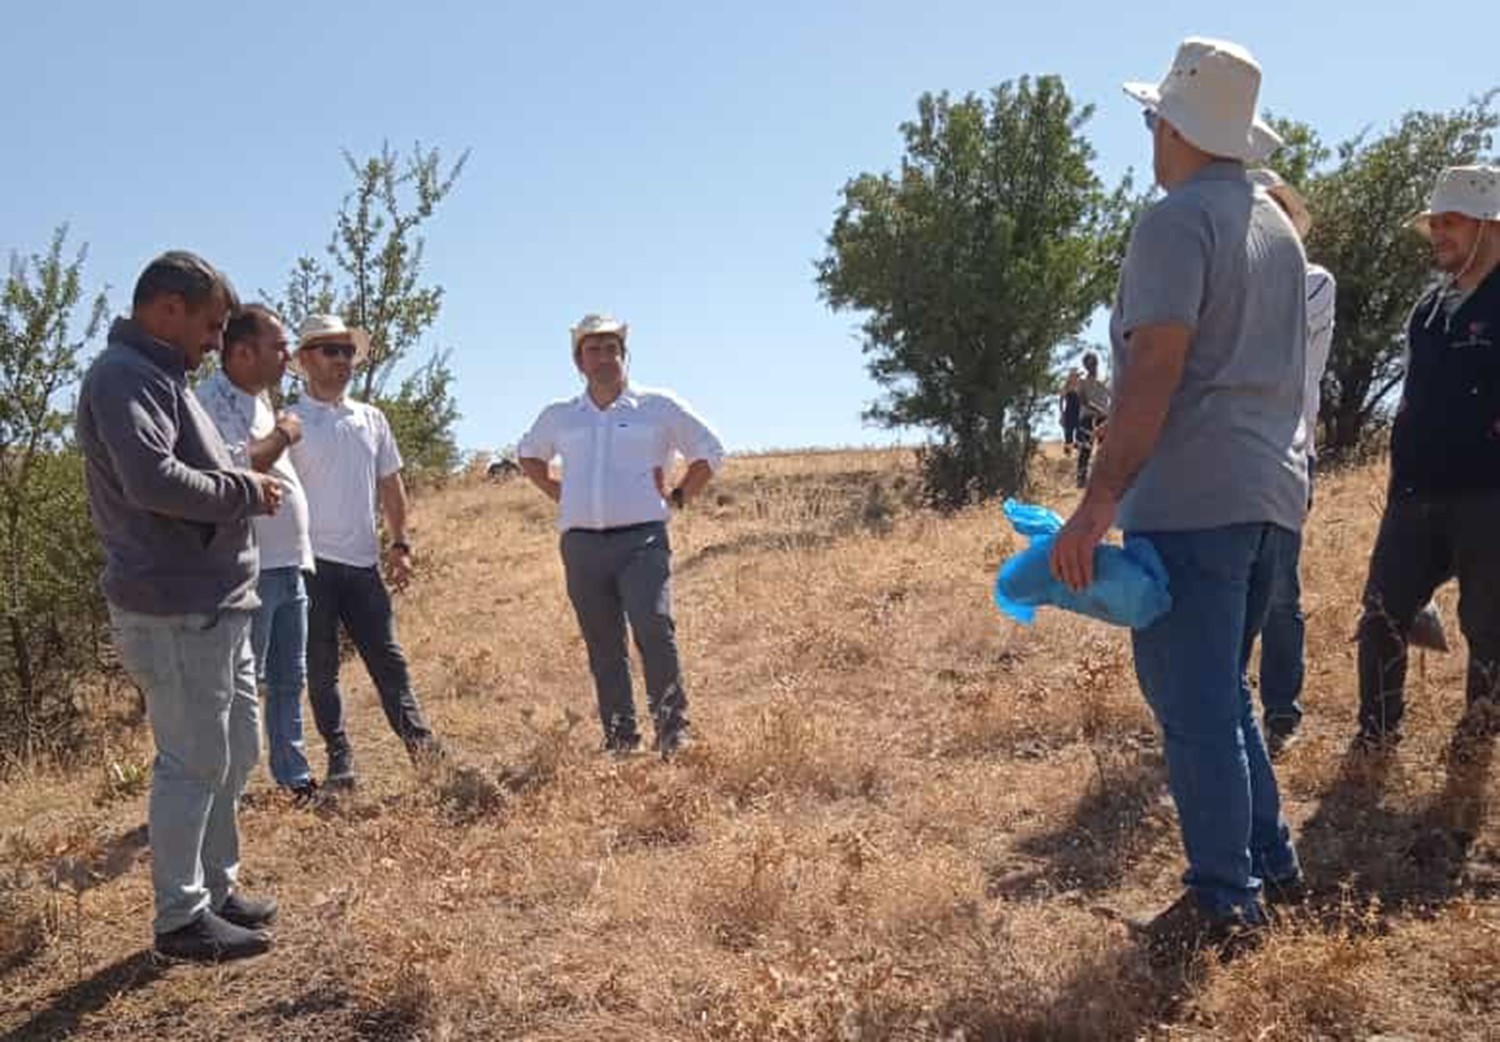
pixel 1290 199
pixel 1473 191
pixel 598 325
pixel 1210 96
pixel 318 329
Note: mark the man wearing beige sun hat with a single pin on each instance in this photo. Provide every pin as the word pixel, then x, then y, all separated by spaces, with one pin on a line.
pixel 1206 461
pixel 1443 507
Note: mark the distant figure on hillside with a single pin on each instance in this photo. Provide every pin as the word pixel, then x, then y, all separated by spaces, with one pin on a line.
pixel 349 462
pixel 1093 396
pixel 1207 461
pixel 616 442
pixel 1442 514
pixel 253 361
pixel 174 516
pixel 1071 407
pixel 1282 641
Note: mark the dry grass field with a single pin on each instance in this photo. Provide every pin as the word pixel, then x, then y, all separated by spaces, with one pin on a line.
pixel 906 817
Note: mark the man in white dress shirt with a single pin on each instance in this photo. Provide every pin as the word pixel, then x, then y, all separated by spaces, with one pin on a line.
pixel 616 442
pixel 349 464
pixel 254 359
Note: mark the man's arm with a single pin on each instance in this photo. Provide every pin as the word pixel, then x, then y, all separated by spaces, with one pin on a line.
pixel 699 473
pixel 1157 357
pixel 391 491
pixel 264 452
pixel 539 473
pixel 140 435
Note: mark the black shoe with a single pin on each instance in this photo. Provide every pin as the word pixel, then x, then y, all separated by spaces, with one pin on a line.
pixel 621 744
pixel 247 912
pixel 674 742
pixel 340 770
pixel 426 752
pixel 1187 928
pixel 1285 893
pixel 1280 738
pixel 209 938
pixel 302 793
pixel 1373 743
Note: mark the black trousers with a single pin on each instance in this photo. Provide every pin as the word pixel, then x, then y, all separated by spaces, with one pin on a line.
pixel 1423 542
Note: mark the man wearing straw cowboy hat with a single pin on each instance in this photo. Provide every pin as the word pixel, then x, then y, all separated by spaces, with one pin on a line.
pixel 1443 508
pixel 1282 641
pixel 616 442
pixel 348 461
pixel 1207 460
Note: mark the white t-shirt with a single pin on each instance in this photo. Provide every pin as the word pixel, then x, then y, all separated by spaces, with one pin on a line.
pixel 242 418
pixel 609 456
pixel 1321 297
pixel 346 449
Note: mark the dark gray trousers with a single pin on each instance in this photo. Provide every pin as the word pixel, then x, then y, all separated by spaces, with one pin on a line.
pixel 616 575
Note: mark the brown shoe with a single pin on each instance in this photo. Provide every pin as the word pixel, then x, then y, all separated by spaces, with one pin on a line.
pixel 1187 928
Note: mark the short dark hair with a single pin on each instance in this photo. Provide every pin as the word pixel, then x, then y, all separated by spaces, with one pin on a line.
pixel 246 323
pixel 186 275
pixel 1091 361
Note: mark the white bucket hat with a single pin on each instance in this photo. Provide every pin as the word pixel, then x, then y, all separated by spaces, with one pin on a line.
pixel 1473 191
pixel 1210 96
pixel 598 325
pixel 1290 199
pixel 315 329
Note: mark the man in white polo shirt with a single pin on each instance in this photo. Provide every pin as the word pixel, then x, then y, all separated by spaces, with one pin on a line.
pixel 349 463
pixel 254 359
pixel 616 442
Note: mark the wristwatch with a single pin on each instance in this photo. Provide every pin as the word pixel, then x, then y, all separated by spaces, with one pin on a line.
pixel 402 545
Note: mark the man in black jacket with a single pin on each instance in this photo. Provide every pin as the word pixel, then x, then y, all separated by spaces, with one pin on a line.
pixel 1442 517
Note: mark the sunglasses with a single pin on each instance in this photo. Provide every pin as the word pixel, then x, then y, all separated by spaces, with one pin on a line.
pixel 1150 118
pixel 337 350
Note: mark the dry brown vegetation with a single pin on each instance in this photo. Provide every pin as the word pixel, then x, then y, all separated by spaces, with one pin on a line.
pixel 906 819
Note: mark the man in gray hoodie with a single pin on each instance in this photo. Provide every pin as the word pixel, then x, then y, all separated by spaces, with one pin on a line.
pixel 179 576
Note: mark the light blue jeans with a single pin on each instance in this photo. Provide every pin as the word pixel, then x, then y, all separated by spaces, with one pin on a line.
pixel 198 674
pixel 279 637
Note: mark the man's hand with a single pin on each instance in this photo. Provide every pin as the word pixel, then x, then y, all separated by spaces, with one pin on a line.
pixel 270 492
pixel 290 426
pixel 398 566
pixel 1072 556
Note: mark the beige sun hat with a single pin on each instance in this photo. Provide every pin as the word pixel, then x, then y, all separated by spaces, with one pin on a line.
pixel 1290 199
pixel 1473 191
pixel 316 329
pixel 1210 95
pixel 598 325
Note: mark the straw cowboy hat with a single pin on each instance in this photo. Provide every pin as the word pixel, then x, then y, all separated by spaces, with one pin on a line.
pixel 318 329
pixel 1473 191
pixel 598 325
pixel 1210 96
pixel 1290 199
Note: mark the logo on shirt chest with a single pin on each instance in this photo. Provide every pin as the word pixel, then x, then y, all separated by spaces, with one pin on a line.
pixel 1478 336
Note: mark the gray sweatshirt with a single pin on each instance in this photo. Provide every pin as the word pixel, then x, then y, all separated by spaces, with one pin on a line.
pixel 171 513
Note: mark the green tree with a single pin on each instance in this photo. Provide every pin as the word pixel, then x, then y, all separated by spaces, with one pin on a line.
pixel 1363 194
pixel 373 278
pixel 988 250
pixel 50 558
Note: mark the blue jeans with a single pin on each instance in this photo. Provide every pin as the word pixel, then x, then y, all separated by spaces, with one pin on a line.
pixel 1191 664
pixel 278 635
pixel 1282 639
pixel 199 679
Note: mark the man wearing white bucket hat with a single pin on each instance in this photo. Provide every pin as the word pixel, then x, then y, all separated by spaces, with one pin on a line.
pixel 1283 640
pixel 1206 460
pixel 349 463
pixel 616 442
pixel 1443 508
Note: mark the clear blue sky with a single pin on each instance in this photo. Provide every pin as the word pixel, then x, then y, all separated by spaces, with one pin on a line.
pixel 678 164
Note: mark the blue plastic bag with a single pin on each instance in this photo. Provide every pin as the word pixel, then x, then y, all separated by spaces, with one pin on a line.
pixel 1129 587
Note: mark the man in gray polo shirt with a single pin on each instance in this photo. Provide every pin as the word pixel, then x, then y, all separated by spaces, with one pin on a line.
pixel 1206 459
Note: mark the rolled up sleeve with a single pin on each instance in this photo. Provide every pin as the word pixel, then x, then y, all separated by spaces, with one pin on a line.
pixel 540 442
pixel 692 437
